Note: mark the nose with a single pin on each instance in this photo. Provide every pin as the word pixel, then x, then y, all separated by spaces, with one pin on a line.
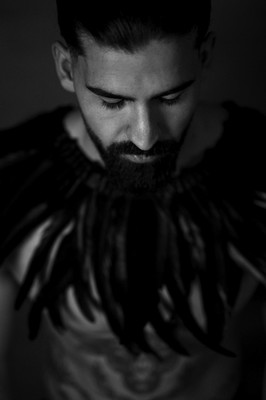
pixel 144 130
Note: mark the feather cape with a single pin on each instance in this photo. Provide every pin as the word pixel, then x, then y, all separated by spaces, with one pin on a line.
pixel 135 248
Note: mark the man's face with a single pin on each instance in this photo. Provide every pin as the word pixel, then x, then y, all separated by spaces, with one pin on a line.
pixel 136 107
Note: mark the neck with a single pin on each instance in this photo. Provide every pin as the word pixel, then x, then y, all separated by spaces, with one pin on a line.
pixel 76 129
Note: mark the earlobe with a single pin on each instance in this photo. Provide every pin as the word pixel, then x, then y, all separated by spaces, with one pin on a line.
pixel 63 64
pixel 206 49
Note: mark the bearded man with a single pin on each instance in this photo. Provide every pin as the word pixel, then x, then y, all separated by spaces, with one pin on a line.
pixel 135 222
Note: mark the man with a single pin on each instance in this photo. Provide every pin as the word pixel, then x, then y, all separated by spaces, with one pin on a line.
pixel 134 223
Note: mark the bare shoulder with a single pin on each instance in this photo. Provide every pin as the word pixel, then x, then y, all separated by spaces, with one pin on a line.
pixel 17 264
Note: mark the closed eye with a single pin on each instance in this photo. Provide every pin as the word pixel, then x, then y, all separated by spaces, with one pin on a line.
pixel 114 101
pixel 171 99
pixel 113 104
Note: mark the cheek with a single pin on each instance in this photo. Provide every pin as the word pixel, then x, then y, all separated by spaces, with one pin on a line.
pixel 95 119
pixel 92 113
pixel 180 118
pixel 189 107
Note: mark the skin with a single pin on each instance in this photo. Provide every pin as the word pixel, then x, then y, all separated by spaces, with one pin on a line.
pixel 142 111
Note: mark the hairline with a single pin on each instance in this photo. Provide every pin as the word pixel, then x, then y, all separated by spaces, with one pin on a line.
pixel 82 33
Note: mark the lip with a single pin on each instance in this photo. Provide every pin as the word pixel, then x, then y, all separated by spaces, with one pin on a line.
pixel 141 159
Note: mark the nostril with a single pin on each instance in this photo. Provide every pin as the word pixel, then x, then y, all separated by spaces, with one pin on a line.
pixel 144 133
pixel 144 143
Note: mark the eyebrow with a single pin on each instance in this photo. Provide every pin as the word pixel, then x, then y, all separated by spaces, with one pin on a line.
pixel 110 95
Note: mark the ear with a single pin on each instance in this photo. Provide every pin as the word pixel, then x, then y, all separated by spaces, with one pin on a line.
pixel 64 65
pixel 206 49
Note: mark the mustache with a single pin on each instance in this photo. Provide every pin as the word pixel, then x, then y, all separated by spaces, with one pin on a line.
pixel 162 148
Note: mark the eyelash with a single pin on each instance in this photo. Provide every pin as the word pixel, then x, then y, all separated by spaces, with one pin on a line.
pixel 113 106
pixel 120 104
pixel 172 101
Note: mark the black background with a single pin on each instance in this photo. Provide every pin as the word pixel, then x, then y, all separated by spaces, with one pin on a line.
pixel 28 84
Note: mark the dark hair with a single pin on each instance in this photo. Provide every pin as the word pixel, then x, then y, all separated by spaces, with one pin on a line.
pixel 130 25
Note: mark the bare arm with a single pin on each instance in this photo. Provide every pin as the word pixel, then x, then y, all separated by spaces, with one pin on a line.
pixel 263 344
pixel 12 273
pixel 8 290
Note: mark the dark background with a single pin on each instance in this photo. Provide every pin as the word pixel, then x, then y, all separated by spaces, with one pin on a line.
pixel 28 84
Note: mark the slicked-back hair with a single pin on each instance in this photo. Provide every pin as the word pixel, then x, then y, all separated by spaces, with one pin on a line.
pixel 130 25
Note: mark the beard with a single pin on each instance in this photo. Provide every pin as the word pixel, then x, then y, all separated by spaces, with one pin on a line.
pixel 139 178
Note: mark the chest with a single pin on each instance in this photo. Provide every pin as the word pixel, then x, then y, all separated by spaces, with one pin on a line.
pixel 88 359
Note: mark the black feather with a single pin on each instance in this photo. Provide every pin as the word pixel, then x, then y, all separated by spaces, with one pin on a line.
pixel 167 332
pixel 183 311
pixel 141 243
pixel 52 294
pixel 41 256
pixel 101 259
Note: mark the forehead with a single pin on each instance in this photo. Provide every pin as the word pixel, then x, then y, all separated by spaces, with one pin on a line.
pixel 154 66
